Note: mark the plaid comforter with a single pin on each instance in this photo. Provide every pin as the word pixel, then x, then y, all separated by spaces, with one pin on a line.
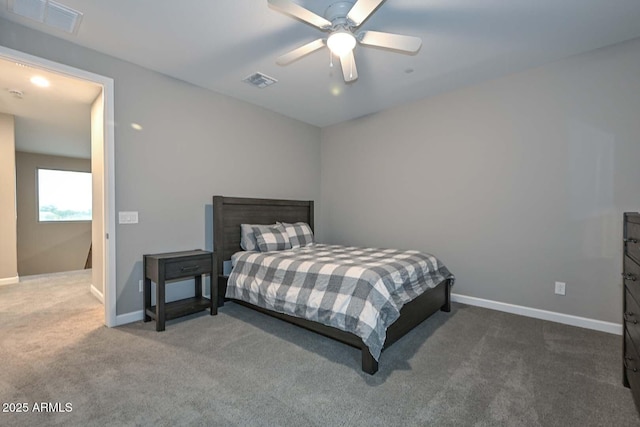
pixel 358 290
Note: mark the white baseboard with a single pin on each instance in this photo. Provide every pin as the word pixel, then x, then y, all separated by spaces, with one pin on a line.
pixel 96 293
pixel 9 280
pixel 134 316
pixel 552 316
pixel 567 319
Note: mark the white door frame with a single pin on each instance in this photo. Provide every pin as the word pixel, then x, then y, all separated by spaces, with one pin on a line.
pixel 109 225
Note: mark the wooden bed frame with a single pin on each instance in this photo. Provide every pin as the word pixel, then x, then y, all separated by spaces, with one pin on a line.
pixel 230 212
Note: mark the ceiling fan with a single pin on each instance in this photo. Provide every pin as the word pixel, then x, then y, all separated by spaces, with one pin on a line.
pixel 341 20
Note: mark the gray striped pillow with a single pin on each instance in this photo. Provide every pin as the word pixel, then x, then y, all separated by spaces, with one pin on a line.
pixel 300 234
pixel 248 238
pixel 272 238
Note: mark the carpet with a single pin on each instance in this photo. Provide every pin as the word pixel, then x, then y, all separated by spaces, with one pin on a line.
pixel 470 367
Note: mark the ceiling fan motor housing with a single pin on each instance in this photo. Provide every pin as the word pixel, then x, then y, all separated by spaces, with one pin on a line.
pixel 337 14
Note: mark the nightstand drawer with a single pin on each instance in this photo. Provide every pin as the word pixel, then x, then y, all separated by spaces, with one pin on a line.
pixel 188 267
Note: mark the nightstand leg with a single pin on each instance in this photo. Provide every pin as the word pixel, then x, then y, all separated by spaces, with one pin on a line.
pixel 160 305
pixel 198 280
pixel 147 298
pixel 214 294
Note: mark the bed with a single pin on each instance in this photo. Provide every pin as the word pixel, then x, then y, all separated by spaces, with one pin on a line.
pixel 230 212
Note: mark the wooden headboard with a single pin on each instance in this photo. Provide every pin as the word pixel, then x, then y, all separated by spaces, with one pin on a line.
pixel 230 212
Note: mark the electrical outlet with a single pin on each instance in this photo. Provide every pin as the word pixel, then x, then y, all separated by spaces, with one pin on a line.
pixel 561 288
pixel 140 286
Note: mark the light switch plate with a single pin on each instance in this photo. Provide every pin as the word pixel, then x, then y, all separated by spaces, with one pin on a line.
pixel 128 217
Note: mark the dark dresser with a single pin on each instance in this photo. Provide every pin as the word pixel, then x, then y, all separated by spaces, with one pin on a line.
pixel 631 305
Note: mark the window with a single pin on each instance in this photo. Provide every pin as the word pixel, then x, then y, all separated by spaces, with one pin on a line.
pixel 64 195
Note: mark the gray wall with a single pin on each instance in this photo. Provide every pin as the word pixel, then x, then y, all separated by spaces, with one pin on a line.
pixel 47 247
pixel 194 144
pixel 514 183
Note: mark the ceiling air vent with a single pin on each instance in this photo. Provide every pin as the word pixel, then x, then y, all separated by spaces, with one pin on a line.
pixel 259 80
pixel 48 12
pixel 32 9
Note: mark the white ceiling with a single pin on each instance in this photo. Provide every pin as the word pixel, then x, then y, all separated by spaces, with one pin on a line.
pixel 215 44
pixel 53 120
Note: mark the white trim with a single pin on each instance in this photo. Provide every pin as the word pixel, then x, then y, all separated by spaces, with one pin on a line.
pixel 134 316
pixel 9 280
pixel 109 213
pixel 109 165
pixel 96 293
pixel 552 316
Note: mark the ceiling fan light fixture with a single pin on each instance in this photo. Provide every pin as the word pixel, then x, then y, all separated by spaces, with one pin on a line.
pixel 40 81
pixel 341 42
pixel 341 20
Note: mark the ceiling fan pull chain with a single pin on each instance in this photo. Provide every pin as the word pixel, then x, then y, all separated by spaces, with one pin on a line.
pixel 351 70
pixel 330 59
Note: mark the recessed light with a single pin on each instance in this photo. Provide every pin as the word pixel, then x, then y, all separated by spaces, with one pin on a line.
pixel 40 81
pixel 136 126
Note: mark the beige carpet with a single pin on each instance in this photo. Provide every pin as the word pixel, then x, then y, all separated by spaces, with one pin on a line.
pixel 470 367
pixel 42 315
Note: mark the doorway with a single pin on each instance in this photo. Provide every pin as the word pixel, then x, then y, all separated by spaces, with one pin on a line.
pixel 102 167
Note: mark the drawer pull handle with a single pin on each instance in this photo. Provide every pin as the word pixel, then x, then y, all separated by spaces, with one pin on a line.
pixel 630 240
pixel 629 314
pixel 634 369
pixel 629 276
pixel 190 268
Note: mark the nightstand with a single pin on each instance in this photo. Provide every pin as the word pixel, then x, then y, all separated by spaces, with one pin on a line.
pixel 178 265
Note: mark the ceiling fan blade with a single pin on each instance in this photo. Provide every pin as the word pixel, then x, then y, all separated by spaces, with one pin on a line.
pixel 348 64
pixel 297 11
pixel 298 53
pixel 408 44
pixel 362 9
